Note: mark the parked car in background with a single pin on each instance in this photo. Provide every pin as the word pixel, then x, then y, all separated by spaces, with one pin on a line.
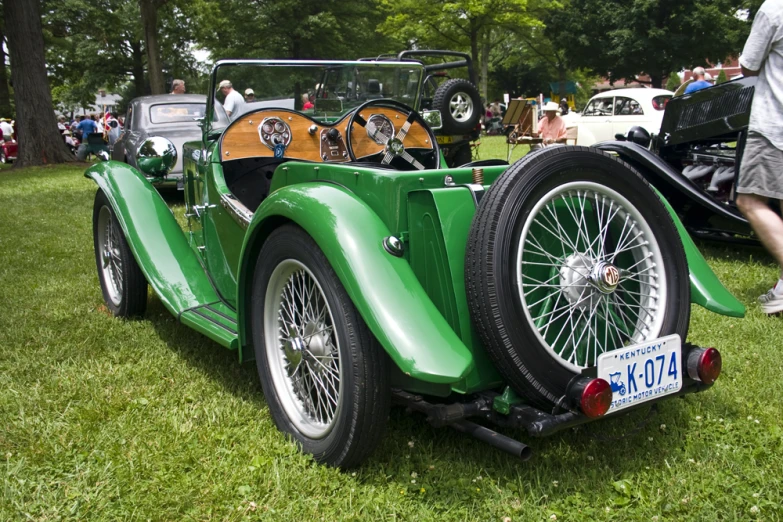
pixel 8 150
pixel 174 117
pixel 614 112
pixel 695 158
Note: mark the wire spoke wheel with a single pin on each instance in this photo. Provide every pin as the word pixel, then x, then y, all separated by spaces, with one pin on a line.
pixel 123 284
pixel 303 349
pixel 571 255
pixel 111 258
pixel 589 273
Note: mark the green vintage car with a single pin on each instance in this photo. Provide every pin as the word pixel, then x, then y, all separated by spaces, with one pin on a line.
pixel 331 246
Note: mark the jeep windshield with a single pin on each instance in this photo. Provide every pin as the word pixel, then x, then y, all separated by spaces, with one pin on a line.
pixel 324 90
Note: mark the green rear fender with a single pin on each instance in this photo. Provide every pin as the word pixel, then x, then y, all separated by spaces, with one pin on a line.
pixel 383 287
pixel 706 288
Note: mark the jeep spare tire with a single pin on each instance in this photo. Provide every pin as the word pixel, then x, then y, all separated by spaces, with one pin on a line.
pixel 459 103
pixel 571 255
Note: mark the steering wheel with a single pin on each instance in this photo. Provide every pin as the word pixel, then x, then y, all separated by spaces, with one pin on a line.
pixel 413 146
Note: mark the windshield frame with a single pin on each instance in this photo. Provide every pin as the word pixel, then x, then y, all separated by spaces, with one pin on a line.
pixel 213 81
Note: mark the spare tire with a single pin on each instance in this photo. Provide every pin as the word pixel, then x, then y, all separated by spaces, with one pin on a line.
pixel 545 250
pixel 459 103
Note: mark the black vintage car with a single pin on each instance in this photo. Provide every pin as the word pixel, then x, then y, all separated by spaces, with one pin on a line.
pixel 694 160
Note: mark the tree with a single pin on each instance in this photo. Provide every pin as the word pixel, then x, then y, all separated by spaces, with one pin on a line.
pixel 673 83
pixel 5 97
pixel 456 24
pixel 39 140
pixel 149 23
pixel 625 38
pixel 721 77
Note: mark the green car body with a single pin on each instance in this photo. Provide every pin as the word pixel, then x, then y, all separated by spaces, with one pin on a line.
pixel 414 304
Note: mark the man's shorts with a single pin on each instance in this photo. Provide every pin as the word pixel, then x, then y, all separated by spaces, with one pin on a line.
pixel 761 170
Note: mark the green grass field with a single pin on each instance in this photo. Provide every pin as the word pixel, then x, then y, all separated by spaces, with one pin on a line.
pixel 102 419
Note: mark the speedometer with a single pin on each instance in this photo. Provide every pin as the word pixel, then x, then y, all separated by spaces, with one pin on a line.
pixel 380 128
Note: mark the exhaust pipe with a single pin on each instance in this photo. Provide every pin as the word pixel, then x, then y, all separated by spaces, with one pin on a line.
pixel 495 439
pixel 721 176
pixel 694 172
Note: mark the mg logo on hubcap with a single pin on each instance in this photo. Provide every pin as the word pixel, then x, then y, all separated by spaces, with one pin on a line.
pixel 605 277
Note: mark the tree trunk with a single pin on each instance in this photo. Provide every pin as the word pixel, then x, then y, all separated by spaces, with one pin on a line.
pixel 485 63
pixel 5 97
pixel 138 68
pixel 39 140
pixel 149 21
pixel 656 81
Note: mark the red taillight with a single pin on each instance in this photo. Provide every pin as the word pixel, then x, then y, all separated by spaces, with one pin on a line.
pixel 596 398
pixel 708 366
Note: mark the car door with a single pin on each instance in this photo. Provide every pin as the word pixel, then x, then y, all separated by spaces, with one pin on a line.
pixel 119 151
pixel 628 112
pixel 595 124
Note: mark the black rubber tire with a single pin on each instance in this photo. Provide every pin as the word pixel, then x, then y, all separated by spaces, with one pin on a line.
pixel 459 155
pixel 442 99
pixel 362 418
pixel 491 277
pixel 133 297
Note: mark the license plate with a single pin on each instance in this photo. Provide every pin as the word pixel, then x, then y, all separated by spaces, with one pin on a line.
pixel 443 140
pixel 642 372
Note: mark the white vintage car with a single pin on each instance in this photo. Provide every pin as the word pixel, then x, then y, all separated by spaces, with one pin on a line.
pixel 614 112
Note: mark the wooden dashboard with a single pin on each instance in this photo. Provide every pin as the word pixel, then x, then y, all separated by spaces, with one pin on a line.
pixel 256 134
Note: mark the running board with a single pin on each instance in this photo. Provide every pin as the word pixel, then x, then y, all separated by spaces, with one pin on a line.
pixel 215 320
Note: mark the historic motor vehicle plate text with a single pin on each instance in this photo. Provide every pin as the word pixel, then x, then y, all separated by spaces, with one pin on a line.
pixel 642 372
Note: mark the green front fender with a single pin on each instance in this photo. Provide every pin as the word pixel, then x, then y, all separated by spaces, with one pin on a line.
pixel 383 287
pixel 706 288
pixel 161 249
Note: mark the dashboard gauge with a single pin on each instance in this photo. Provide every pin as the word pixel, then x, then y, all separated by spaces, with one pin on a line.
pixel 379 128
pixel 274 131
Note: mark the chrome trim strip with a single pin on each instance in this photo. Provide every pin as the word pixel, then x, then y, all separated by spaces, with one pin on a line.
pixel 241 214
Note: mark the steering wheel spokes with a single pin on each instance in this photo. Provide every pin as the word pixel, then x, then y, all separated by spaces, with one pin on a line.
pixel 379 141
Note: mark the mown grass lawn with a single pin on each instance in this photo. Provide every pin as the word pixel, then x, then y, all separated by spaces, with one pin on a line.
pixel 102 419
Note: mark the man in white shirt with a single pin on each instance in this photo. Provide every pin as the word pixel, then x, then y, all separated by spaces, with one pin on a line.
pixel 8 130
pixel 234 103
pixel 761 169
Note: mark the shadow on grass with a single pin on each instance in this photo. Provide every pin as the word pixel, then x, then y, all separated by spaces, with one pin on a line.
pixel 220 364
pixel 621 443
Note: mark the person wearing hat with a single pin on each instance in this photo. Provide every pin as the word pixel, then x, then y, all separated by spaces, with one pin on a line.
pixel 551 128
pixel 7 128
pixel 234 104
pixel 250 96
pixel 69 139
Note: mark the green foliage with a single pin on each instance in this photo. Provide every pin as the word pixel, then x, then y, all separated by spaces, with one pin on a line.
pixel 133 420
pixel 721 77
pixel 289 29
pixel 623 38
pixel 673 82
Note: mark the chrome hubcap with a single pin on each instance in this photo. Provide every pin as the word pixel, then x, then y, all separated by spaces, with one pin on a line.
pixel 302 349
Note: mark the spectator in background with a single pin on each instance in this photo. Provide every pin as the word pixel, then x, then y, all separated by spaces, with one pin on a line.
pixel 250 96
pixel 699 82
pixel 761 170
pixel 8 130
pixel 563 106
pixel 234 104
pixel 178 87
pixel 552 128
pixel 87 126
pixel 307 102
